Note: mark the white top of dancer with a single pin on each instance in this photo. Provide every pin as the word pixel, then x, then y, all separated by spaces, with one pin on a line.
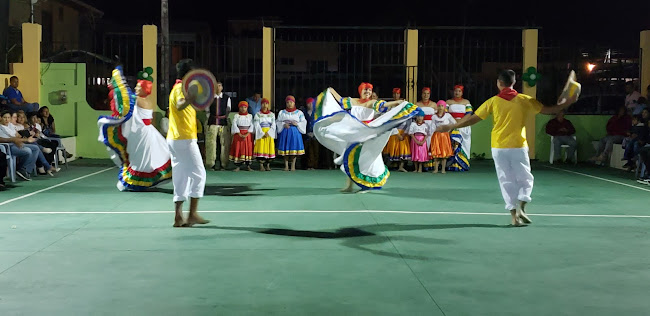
pixel 296 116
pixel 421 129
pixel 242 122
pixel 264 120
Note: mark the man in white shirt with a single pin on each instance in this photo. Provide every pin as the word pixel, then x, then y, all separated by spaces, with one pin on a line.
pixel 632 96
pixel 218 129
pixel 26 154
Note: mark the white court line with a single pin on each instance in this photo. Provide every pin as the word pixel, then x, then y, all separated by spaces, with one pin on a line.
pixel 54 186
pixel 318 211
pixel 599 178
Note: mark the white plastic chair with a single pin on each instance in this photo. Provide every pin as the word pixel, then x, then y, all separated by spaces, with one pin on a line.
pixel 11 160
pixel 575 154
pixel 59 149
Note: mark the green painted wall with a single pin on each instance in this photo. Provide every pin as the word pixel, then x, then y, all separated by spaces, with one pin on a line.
pixel 75 117
pixel 588 129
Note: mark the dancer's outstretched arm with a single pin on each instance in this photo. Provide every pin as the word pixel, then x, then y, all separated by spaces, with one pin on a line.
pixel 467 120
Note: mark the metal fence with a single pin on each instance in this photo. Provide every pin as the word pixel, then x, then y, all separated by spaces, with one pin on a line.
pixel 469 56
pixel 310 59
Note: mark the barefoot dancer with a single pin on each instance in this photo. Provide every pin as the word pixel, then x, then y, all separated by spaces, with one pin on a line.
pixel 358 137
pixel 509 148
pixel 187 164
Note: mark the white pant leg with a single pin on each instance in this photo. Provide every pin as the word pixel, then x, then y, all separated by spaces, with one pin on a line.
pixel 188 172
pixel 506 175
pixel 521 166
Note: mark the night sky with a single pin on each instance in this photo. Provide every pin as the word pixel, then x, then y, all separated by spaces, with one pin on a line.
pixel 617 24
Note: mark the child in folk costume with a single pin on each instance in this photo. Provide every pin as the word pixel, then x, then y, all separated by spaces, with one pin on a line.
pixel 398 148
pixel 419 132
pixel 264 123
pixel 241 149
pixel 291 125
pixel 399 145
pixel 441 142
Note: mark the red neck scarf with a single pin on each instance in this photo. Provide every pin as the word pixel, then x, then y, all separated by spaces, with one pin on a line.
pixel 458 99
pixel 426 103
pixel 292 110
pixel 266 112
pixel 362 101
pixel 243 112
pixel 508 94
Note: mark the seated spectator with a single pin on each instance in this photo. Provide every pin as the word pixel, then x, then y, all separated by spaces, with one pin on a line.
pixel 617 128
pixel 645 115
pixel 644 159
pixel 48 146
pixel 562 131
pixel 3 170
pixel 16 100
pixel 632 96
pixel 19 147
pixel 47 121
pixel 637 137
pixel 640 105
pixel 4 103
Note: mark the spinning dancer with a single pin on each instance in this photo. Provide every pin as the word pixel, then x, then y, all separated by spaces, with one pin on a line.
pixel 358 137
pixel 187 164
pixel 137 146
pixel 509 148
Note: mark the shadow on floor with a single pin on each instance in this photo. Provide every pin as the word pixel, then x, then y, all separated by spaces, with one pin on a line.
pixel 222 190
pixel 363 236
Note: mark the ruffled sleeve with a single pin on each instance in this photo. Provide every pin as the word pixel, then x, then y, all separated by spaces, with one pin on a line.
pixel 302 122
pixel 235 129
pixel 280 121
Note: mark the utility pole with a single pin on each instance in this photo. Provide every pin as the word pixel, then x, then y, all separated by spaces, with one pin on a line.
pixel 163 74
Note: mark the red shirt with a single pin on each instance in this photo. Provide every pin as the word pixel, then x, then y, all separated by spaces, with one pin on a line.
pixel 619 125
pixel 553 128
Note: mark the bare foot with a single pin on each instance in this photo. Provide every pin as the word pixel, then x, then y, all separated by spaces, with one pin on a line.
pixel 285 169
pixel 195 219
pixel 268 167
pixel 293 169
pixel 402 170
pixel 262 168
pixel 435 171
pixel 178 221
pixel 251 169
pixel 236 169
pixel 514 221
pixel 443 171
pixel 521 213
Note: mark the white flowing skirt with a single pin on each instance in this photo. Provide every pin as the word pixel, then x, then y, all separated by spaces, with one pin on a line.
pixel 359 145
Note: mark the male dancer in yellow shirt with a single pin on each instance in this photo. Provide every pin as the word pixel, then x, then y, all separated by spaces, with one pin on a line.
pixel 188 172
pixel 509 148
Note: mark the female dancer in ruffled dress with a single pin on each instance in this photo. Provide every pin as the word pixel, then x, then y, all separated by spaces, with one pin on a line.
pixel 358 137
pixel 461 139
pixel 136 146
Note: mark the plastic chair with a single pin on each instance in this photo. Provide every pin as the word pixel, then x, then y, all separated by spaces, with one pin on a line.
pixel 11 160
pixel 59 148
pixel 575 154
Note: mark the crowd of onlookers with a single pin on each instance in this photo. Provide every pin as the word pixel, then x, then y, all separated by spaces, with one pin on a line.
pixel 628 128
pixel 28 134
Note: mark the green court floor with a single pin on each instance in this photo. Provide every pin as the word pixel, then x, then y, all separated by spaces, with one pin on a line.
pixel 287 243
